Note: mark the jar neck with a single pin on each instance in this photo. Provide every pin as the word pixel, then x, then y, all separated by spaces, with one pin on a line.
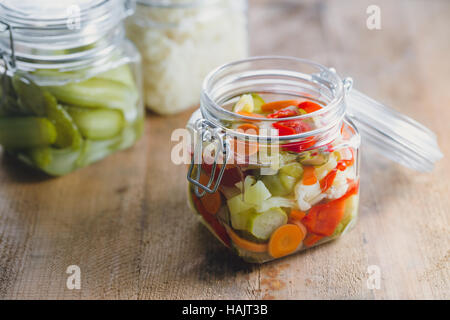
pixel 60 37
pixel 63 54
pixel 183 14
pixel 279 76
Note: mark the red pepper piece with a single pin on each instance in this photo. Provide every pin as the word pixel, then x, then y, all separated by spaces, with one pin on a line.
pixel 322 219
pixel 212 221
pixel 299 146
pixel 283 130
pixel 283 113
pixel 299 126
pixel 309 106
pixel 328 180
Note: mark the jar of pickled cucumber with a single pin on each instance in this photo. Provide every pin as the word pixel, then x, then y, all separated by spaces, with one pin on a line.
pixel 276 154
pixel 180 42
pixel 70 89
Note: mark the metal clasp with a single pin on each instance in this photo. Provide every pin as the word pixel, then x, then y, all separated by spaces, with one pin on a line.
pixel 205 131
pixel 8 58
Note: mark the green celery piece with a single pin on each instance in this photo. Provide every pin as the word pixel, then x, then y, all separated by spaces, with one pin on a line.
pixel 275 185
pixel 236 205
pixel 26 132
pixel 293 169
pixel 55 162
pixel 68 133
pixel 97 124
pixel 256 193
pixel 287 181
pixel 98 93
pixel 262 225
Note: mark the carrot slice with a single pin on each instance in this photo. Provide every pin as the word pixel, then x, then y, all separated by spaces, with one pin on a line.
pixel 249 114
pixel 285 240
pixel 309 176
pixel 297 214
pixel 277 105
pixel 210 201
pixel 309 106
pixel 311 239
pixel 300 225
pixel 247 127
pixel 245 244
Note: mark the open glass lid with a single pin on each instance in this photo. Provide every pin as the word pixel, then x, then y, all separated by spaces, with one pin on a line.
pixel 393 134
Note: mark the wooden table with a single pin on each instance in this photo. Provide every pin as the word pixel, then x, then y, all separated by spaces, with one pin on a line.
pixel 125 222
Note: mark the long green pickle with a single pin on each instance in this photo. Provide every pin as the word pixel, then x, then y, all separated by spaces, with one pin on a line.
pixel 98 93
pixel 26 132
pixel 59 129
pixel 97 124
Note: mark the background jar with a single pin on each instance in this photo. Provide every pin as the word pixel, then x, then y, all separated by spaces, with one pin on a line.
pixel 255 199
pixel 71 83
pixel 180 42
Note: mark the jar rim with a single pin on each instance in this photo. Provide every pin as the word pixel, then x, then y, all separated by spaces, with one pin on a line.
pixel 62 38
pixel 336 106
pixel 170 4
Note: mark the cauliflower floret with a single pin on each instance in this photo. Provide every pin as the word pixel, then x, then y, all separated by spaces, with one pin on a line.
pixel 308 195
pixel 340 184
pixel 323 170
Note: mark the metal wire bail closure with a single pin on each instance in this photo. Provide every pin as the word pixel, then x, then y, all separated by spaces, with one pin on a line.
pixel 205 131
pixel 9 59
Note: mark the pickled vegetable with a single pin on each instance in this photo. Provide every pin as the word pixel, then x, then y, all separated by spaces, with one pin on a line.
pixel 26 132
pixel 98 93
pixel 97 124
pixel 261 225
pixel 310 196
pixel 58 129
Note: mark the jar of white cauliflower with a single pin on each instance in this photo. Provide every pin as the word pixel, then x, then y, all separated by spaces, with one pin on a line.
pixel 180 42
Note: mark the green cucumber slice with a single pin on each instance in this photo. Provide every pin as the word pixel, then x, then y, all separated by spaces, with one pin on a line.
pixel 262 225
pixel 239 221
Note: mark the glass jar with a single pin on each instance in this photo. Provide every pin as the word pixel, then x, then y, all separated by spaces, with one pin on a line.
pixel 71 82
pixel 180 42
pixel 267 193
